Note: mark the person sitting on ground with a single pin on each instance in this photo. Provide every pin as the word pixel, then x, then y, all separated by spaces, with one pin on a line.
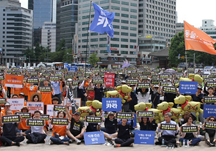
pixel 9 136
pixel 123 138
pixel 191 137
pixel 167 135
pixel 59 131
pixel 23 125
pixel 37 134
pixel 110 124
pixel 210 134
pixel 147 124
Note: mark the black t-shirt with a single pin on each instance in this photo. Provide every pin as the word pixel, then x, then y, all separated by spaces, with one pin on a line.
pixel 143 126
pixel 91 127
pixel 76 127
pixel 9 129
pixel 124 131
pixel 189 136
pixel 110 126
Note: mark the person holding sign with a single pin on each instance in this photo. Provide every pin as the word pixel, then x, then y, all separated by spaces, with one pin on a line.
pixel 168 136
pixel 143 95
pixel 22 125
pixel 47 96
pixel 37 134
pixel 123 138
pixel 59 131
pixel 7 107
pixel 189 137
pixel 110 124
pixel 31 89
pixel 147 124
pixel 9 136
pixel 210 134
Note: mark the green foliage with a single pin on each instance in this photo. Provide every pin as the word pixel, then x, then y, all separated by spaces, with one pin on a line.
pixel 93 59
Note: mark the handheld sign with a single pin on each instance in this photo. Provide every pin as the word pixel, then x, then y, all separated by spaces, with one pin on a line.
pixel 111 104
pixel 211 84
pixel 1 77
pixel 165 84
pixel 2 101
pixel 171 127
pixel 92 138
pixel 209 100
pixel 155 81
pixel 210 125
pixel 187 87
pixel 35 122
pixel 144 137
pixel 32 80
pixel 93 119
pixel 24 115
pixel 109 79
pixel 59 108
pixel 164 76
pixel 169 89
pixel 144 85
pixel 154 77
pixel 44 117
pixel 145 114
pixel 98 81
pixel 10 118
pixel 143 77
pixel 189 129
pixel 45 89
pixel 59 121
pixel 124 115
pixel 132 81
pixel 209 110
pixel 54 78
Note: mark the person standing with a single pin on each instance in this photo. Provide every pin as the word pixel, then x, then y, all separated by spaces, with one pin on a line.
pixel 57 90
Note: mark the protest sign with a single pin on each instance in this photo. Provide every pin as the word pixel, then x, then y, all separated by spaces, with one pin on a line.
pixel 44 117
pixel 24 115
pixel 109 79
pixel 111 104
pixel 165 84
pixel 209 110
pixel 171 127
pixel 211 84
pixel 155 81
pixel 124 115
pixel 59 121
pixel 54 78
pixel 210 125
pixel 35 122
pixel 169 89
pixel 143 77
pixel 45 89
pixel 92 138
pixel 59 108
pixel 1 77
pixel 189 129
pixel 187 87
pixel 132 81
pixel 35 106
pixel 145 114
pixel 93 119
pixel 2 101
pixel 10 118
pixel 209 100
pixel 144 137
pixel 143 85
pixel 16 103
pixel 98 81
pixel 32 80
pixel 13 81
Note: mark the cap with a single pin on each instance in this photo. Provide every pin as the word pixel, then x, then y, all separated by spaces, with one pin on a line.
pixel 22 94
pixel 77 113
pixel 7 104
pixel 156 86
pixel 110 113
pixel 199 87
pixel 123 81
pixel 69 80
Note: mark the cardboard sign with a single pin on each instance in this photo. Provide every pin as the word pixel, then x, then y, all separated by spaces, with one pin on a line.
pixel 2 101
pixel 211 84
pixel 187 87
pixel 98 81
pixel 10 118
pixel 210 125
pixel 13 81
pixel 124 115
pixel 59 121
pixel 16 103
pixel 24 115
pixel 35 122
pixel 169 89
pixel 92 138
pixel 93 119
pixel 171 127
pixel 144 85
pixel 45 89
pixel 132 81
pixel 109 79
pixel 35 106
pixel 209 100
pixel 59 108
pixel 144 137
pixel 209 110
pixel 32 80
pixel 145 114
pixel 44 117
pixel 54 78
pixel 111 104
pixel 189 129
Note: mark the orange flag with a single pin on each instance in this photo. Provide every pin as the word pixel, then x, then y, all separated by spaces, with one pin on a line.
pixel 198 40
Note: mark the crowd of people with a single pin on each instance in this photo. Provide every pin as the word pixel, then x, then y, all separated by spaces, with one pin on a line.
pixel 118 132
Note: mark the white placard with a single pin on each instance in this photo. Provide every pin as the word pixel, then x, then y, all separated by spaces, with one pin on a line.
pixel 35 106
pixel 16 103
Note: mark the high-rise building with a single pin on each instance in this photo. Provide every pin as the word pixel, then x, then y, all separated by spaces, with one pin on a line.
pixel 179 27
pixel 125 24
pixel 43 11
pixel 67 17
pixel 15 31
pixel 49 36
pixel 157 18
pixel 209 27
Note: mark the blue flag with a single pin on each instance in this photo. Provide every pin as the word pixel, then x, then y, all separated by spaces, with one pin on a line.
pixel 102 21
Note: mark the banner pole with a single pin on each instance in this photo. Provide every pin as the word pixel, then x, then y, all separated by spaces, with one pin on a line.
pixel 186 61
pixel 88 37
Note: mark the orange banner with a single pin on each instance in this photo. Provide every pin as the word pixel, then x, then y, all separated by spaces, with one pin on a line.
pixel 14 81
pixel 196 39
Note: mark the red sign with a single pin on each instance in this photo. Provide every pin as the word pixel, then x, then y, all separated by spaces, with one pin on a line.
pixel 109 79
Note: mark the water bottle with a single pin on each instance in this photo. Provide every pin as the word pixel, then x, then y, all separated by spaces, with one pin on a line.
pixel 163 142
pixel 47 140
pixel 188 143
pixel 183 142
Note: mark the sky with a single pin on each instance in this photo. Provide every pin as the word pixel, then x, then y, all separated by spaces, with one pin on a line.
pixel 192 11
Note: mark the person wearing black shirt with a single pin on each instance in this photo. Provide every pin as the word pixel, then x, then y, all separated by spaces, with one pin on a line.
pixel 9 137
pixel 110 123
pixel 98 92
pixel 123 138
pixel 147 124
pixel 134 99
pixel 81 93
pixel 76 128
pixel 210 134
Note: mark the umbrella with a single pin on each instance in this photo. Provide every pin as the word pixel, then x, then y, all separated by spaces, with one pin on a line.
pixel 170 71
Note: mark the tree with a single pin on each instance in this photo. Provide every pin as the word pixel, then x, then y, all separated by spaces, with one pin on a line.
pixel 93 59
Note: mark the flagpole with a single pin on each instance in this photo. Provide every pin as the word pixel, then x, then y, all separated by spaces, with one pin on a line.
pixel 185 51
pixel 88 37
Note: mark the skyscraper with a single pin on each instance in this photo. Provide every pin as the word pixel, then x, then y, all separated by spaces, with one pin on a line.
pixel 43 11
pixel 125 24
pixel 15 31
pixel 67 16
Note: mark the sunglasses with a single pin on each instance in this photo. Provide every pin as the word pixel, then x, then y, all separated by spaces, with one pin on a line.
pixel 211 119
